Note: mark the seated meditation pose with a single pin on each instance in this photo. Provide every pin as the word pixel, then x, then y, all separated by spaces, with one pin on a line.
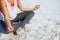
pixel 8 9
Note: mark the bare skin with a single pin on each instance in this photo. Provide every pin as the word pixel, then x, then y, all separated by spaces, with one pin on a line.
pixel 5 13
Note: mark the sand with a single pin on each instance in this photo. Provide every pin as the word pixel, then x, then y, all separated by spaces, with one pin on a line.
pixel 45 25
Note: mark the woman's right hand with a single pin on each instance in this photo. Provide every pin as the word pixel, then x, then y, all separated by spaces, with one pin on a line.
pixel 10 29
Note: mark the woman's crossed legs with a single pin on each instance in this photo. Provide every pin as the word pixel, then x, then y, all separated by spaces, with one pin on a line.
pixel 24 17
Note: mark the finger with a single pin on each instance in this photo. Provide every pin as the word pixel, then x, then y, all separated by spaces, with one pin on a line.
pixel 12 28
pixel 37 6
pixel 9 30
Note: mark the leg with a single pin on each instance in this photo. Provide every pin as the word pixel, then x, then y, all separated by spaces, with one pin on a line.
pixel 20 16
pixel 27 18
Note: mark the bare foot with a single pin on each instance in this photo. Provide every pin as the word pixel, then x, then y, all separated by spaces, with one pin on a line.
pixel 17 31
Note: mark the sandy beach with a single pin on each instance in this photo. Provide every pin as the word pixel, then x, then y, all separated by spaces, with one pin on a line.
pixel 45 25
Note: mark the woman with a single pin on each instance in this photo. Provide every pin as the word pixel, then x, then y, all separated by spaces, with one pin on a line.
pixel 10 14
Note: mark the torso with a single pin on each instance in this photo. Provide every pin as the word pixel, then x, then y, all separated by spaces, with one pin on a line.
pixel 12 8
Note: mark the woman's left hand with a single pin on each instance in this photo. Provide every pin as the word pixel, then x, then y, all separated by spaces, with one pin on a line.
pixel 36 7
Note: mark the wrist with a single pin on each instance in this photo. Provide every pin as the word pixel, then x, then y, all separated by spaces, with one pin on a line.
pixel 32 9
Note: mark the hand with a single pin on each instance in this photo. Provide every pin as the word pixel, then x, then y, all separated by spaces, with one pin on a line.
pixel 36 7
pixel 10 29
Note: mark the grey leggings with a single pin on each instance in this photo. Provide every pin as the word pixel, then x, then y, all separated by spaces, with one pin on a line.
pixel 24 17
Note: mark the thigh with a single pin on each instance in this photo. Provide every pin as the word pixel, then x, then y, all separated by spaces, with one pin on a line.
pixel 19 17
